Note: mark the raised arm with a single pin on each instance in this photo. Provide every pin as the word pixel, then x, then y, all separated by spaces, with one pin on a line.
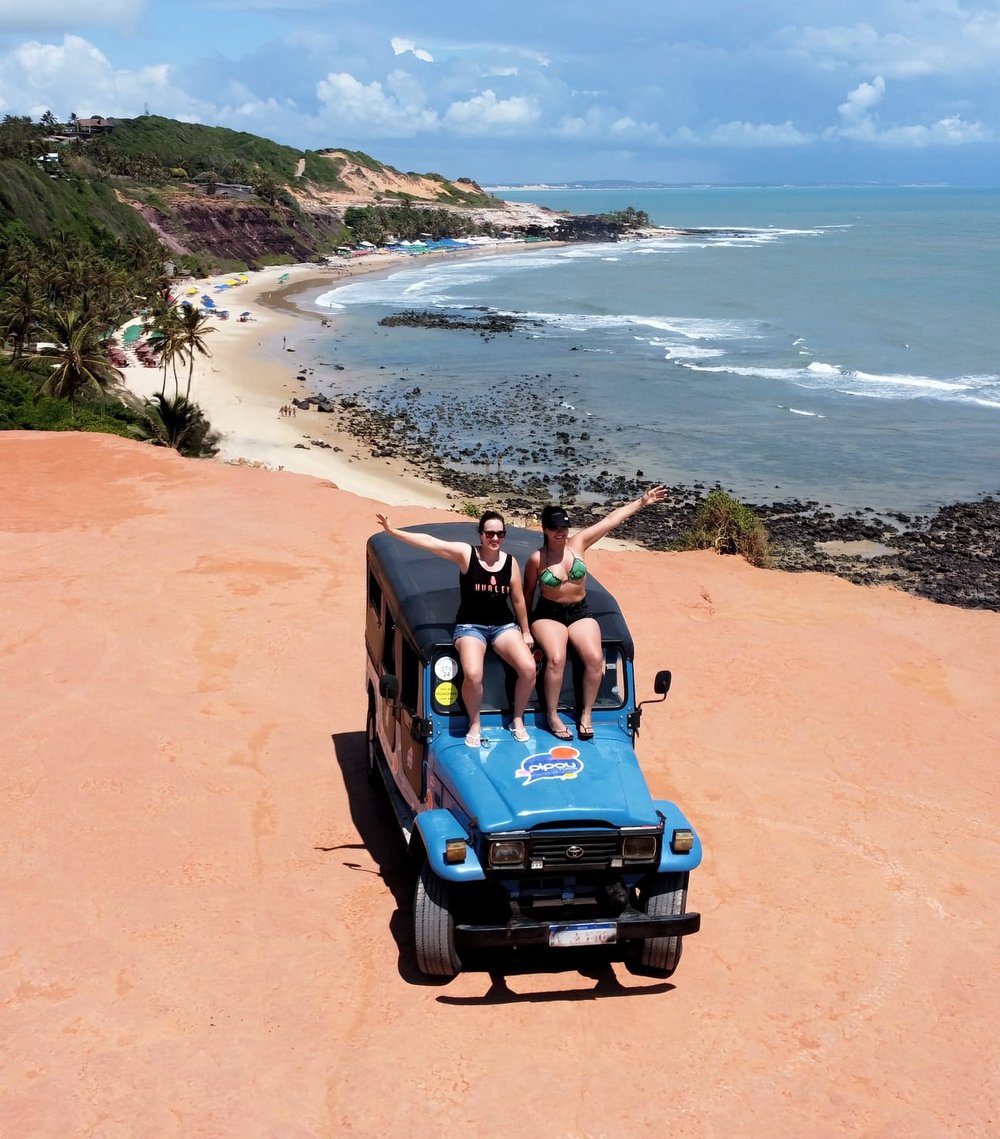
pixel 595 532
pixel 457 552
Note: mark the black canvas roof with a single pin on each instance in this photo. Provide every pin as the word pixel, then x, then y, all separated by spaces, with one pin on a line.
pixel 423 587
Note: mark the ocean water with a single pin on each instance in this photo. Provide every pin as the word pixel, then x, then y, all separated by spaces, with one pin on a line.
pixel 838 345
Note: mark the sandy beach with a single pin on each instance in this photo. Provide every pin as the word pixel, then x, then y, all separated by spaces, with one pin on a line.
pixel 207 930
pixel 253 371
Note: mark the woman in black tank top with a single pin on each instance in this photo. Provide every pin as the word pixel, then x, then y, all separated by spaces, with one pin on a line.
pixel 489 584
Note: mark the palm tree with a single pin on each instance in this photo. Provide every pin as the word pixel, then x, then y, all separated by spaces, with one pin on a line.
pixel 22 306
pixel 180 424
pixel 81 362
pixel 191 333
pixel 163 324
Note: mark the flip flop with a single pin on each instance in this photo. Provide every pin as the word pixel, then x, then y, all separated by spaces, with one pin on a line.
pixel 562 733
pixel 520 734
pixel 473 739
pixel 585 733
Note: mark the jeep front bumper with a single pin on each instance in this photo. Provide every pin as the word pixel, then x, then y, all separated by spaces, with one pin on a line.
pixel 628 926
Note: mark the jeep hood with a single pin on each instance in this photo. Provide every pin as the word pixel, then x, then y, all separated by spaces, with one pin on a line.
pixel 510 786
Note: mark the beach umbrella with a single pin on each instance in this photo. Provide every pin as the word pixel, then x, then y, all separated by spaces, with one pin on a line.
pixel 132 333
pixel 192 291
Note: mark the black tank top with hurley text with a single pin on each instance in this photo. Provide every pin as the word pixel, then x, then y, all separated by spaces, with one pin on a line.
pixel 484 593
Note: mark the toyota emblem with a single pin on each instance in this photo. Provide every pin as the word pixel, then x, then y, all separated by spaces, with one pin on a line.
pixel 574 852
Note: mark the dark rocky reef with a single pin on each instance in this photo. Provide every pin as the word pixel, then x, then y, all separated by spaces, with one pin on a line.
pixel 952 557
pixel 487 324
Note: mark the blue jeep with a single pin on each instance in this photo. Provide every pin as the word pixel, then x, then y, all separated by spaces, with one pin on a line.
pixel 537 843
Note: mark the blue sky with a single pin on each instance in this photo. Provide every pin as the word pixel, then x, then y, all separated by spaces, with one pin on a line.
pixel 726 91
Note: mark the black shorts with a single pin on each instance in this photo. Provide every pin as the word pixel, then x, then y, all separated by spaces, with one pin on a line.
pixel 546 610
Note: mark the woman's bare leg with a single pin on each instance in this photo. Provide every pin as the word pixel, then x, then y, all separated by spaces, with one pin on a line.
pixel 553 637
pixel 510 647
pixel 585 636
pixel 472 654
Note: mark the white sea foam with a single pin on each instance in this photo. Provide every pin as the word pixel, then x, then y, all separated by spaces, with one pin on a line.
pixel 674 351
pixel 692 328
pixel 827 377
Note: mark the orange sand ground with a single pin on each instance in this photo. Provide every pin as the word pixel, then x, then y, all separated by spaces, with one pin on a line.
pixel 204 929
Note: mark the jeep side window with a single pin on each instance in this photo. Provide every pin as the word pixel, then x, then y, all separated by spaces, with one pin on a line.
pixel 373 618
pixel 389 645
pixel 409 681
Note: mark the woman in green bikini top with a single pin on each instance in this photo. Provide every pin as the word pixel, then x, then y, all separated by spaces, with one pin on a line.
pixel 577 571
pixel 560 616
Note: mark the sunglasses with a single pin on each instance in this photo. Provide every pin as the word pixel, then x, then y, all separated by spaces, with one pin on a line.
pixel 498 534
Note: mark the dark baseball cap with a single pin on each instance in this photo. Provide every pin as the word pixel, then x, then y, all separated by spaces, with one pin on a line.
pixel 555 518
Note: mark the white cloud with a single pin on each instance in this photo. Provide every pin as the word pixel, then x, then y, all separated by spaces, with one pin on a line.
pixel 369 107
pixel 921 40
pixel 755 134
pixel 628 128
pixel 742 134
pixel 860 125
pixel 860 101
pixel 76 77
pixel 598 124
pixel 486 113
pixel 401 47
pixel 953 131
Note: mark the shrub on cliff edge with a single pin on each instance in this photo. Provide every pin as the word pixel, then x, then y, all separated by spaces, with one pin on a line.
pixel 729 526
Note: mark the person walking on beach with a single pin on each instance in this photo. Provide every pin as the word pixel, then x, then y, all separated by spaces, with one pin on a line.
pixel 561 616
pixel 489 584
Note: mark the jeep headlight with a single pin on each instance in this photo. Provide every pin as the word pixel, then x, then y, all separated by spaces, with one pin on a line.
pixel 507 853
pixel 639 847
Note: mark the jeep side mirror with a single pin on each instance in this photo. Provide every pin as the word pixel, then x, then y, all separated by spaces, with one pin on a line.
pixel 388 686
pixel 661 686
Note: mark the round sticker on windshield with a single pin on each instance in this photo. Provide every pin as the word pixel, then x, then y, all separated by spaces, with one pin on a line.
pixel 446 694
pixel 446 668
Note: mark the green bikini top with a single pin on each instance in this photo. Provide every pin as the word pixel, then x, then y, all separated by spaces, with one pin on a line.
pixel 577 571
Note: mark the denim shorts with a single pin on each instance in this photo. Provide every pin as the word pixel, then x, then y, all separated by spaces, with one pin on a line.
pixel 485 633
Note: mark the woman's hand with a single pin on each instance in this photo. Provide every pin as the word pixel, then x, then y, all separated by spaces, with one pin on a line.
pixel 383 521
pixel 654 494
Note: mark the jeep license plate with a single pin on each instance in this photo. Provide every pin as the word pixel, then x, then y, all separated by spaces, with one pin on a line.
pixel 586 933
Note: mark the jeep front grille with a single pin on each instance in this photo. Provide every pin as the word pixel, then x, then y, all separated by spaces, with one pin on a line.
pixel 568 852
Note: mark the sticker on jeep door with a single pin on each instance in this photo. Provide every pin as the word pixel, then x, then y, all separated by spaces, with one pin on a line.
pixel 559 762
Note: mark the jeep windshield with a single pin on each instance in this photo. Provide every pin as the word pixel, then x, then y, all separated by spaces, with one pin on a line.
pixel 498 683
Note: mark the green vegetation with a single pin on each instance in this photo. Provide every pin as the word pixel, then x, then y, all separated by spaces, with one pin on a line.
pixel 178 423
pixel 626 219
pixel 60 302
pixel 23 409
pixel 406 222
pixel 729 526
pixel 39 205
pixel 151 148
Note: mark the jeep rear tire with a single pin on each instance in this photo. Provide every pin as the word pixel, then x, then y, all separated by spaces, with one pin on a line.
pixel 434 926
pixel 661 896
